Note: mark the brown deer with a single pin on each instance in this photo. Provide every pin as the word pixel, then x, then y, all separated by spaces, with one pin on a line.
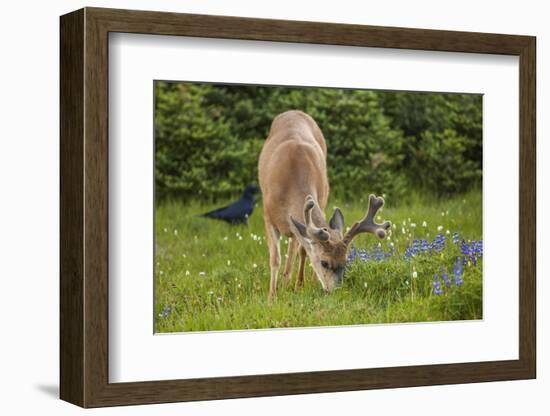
pixel 293 177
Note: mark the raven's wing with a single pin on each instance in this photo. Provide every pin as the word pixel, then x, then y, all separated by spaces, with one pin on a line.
pixel 214 213
pixel 234 212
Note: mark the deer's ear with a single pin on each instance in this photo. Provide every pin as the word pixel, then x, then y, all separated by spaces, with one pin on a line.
pixel 299 226
pixel 337 220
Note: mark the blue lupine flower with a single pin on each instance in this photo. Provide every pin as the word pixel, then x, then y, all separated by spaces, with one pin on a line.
pixel 352 254
pixel 445 278
pixel 477 248
pixel 458 272
pixel 378 254
pixel 165 312
pixel 465 248
pixel 456 238
pixel 426 247
pixel 439 243
pixel 436 286
pixel 470 253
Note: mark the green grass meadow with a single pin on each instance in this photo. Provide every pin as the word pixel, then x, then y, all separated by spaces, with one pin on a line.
pixel 213 276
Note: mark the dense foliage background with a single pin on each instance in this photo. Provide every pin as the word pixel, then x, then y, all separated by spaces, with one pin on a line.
pixel 208 138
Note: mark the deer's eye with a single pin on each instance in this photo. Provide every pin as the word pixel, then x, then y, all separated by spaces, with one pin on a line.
pixel 325 264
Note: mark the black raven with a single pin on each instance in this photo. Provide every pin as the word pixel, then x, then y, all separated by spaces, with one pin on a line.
pixel 239 211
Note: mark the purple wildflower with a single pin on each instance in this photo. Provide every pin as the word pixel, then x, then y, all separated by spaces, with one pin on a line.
pixel 446 279
pixel 465 248
pixel 458 272
pixel 165 311
pixel 436 285
pixel 378 254
pixel 352 254
pixel 456 238
pixel 439 243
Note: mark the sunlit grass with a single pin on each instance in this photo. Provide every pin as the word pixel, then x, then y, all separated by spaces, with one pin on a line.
pixel 213 276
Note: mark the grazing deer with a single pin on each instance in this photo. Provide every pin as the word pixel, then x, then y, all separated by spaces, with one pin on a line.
pixel 293 178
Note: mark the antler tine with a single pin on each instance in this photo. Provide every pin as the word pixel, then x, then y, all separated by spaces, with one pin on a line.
pixel 313 230
pixel 308 207
pixel 367 224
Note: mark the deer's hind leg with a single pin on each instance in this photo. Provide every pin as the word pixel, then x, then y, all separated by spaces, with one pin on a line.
pixel 273 243
pixel 292 248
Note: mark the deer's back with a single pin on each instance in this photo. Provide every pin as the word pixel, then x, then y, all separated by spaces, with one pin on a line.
pixel 292 165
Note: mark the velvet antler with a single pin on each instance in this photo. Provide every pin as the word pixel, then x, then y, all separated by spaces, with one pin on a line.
pixel 367 224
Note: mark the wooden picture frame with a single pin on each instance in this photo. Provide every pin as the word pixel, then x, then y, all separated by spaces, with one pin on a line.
pixel 84 207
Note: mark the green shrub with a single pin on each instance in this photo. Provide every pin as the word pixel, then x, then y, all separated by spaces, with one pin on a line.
pixel 208 138
pixel 443 138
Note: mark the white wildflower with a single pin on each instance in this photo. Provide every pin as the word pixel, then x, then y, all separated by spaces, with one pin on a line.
pixel 175 232
pixel 414 274
pixel 187 272
pixel 225 238
pixel 202 274
pixel 447 232
pixel 165 230
pixel 424 224
pixel 413 225
pixel 254 265
pixel 439 228
pixel 229 262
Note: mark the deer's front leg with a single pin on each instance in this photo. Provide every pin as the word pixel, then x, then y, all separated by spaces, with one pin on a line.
pixel 274 259
pixel 287 274
pixel 300 279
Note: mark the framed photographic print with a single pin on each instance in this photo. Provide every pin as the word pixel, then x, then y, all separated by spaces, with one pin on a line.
pixel 255 207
